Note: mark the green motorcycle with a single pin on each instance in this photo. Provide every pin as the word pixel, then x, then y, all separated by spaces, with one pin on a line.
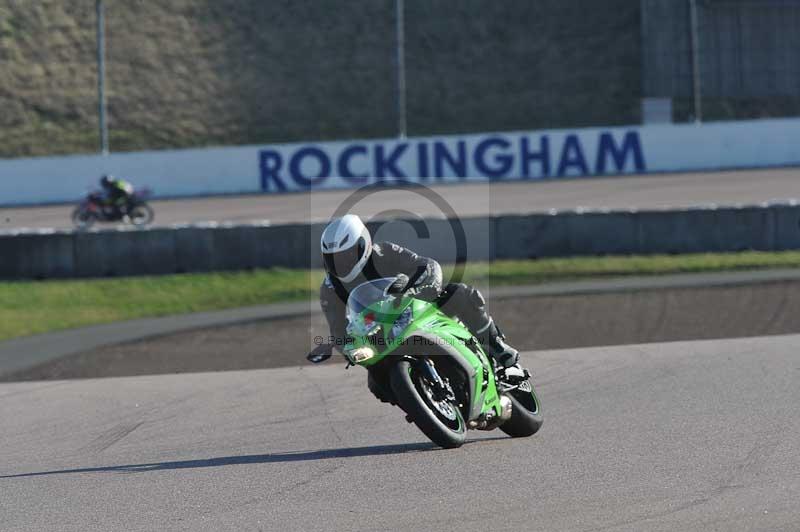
pixel 433 368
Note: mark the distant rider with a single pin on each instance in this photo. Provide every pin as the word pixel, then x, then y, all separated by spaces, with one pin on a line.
pixel 351 259
pixel 118 194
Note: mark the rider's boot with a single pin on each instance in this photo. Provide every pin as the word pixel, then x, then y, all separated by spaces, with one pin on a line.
pixel 505 355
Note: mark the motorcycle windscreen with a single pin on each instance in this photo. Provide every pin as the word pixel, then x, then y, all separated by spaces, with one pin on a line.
pixel 369 304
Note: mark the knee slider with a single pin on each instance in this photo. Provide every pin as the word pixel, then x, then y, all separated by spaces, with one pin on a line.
pixel 462 294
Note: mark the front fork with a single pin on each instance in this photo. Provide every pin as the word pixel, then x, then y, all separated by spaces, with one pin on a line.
pixel 444 392
pixel 441 387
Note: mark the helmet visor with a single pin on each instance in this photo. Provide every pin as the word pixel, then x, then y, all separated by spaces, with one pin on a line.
pixel 341 263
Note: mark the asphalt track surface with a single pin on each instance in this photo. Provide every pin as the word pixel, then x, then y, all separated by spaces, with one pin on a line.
pixel 659 437
pixel 644 192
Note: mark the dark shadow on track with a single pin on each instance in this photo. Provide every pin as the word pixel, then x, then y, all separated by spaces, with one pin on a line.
pixel 323 454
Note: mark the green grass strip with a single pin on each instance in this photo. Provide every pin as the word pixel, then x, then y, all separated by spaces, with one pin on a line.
pixel 40 306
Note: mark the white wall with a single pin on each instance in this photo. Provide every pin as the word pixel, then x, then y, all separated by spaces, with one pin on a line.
pixel 455 158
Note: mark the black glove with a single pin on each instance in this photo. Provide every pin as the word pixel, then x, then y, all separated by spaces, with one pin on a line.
pixel 321 353
pixel 399 286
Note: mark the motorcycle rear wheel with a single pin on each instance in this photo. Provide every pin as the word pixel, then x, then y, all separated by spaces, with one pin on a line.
pixel 141 214
pixel 440 421
pixel 526 413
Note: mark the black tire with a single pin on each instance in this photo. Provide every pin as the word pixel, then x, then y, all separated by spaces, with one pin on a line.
pixel 141 214
pixel 407 387
pixel 82 218
pixel 526 414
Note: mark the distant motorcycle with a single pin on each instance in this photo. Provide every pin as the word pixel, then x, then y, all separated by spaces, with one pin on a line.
pixel 93 209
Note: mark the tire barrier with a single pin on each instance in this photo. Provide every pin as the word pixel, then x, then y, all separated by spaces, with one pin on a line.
pixel 224 247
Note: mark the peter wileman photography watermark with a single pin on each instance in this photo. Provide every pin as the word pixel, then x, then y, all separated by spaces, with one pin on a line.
pixel 380 341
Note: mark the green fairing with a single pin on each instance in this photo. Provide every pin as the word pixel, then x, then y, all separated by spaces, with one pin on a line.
pixel 427 318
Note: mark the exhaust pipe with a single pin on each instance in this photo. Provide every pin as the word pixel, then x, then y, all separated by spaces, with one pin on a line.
pixel 491 421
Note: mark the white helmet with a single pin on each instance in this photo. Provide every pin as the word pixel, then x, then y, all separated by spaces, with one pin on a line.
pixel 346 247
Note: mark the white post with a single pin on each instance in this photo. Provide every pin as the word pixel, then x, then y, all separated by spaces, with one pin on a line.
pixel 401 69
pixel 696 71
pixel 101 75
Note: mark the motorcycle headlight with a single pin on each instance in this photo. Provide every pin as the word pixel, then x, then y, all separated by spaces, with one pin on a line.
pixel 361 354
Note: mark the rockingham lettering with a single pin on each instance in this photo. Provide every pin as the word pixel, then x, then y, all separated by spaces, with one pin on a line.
pixel 456 160
pixel 452 159
pixel 631 149
pixel 386 163
pixel 496 164
pixel 343 165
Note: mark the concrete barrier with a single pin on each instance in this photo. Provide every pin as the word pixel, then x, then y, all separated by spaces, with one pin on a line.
pixel 213 247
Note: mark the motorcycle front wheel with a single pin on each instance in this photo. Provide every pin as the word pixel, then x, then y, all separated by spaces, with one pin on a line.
pixel 83 218
pixel 439 420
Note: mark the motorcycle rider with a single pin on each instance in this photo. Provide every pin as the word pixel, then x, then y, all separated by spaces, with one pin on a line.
pixel 351 259
pixel 118 194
